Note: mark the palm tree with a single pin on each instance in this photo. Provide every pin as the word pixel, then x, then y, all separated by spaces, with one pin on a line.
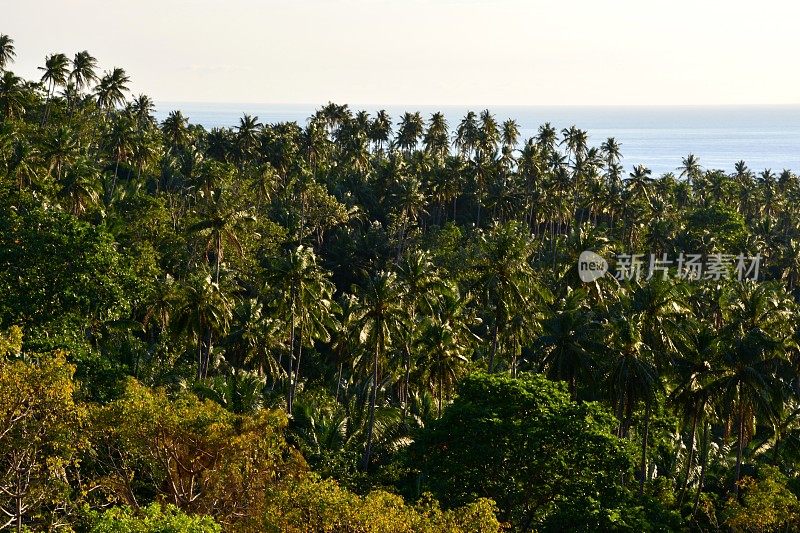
pixel 12 96
pixel 143 108
pixel 247 137
pixel 7 53
pixel 119 140
pixel 380 129
pixel 698 351
pixel 467 135
pixel 379 314
pixel 690 168
pixel 569 342
pixel 56 72
pixel 546 138
pixel 444 356
pixel 748 382
pixel 111 89
pixel 746 385
pixel 302 290
pixel 175 130
pixel 640 182
pixel 576 141
pixel 79 186
pixel 436 140
pixel 410 129
pixel 633 377
pixel 253 338
pixel 204 314
pixel 611 151
pixel 238 391
pixel 21 164
pixel 422 285
pixel 510 134
pixel 83 70
pixel 504 280
pixel 60 148
pixel 220 221
pixel 488 135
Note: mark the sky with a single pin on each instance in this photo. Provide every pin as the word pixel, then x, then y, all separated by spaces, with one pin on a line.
pixel 435 52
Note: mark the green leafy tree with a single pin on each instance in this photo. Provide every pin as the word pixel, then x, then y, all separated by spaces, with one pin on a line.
pixel 545 460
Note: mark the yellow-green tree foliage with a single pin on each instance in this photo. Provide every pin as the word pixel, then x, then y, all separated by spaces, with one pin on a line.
pixel 767 504
pixel 11 341
pixel 190 453
pixel 322 506
pixel 40 438
pixel 152 518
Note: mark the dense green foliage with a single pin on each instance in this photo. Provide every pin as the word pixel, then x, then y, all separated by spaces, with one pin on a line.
pixel 354 325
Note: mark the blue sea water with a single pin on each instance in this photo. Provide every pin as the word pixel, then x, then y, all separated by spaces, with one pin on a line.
pixel 765 137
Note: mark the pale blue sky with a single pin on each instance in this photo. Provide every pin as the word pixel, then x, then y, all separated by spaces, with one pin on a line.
pixel 469 52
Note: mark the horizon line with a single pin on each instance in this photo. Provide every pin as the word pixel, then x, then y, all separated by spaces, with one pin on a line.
pixel 460 105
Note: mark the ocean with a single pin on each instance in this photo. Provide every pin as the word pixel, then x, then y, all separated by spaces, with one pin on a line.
pixel 659 137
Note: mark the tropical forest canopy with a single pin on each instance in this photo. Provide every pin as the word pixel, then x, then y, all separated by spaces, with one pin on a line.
pixel 358 325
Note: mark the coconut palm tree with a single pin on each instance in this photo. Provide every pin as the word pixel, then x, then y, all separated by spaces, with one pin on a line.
pixel 78 188
pixel 111 89
pixel 488 135
pixel 220 220
pixel 56 72
pixel 423 286
pixel 204 314
pixel 247 137
pixel 504 280
pixel 379 314
pixel 576 142
pixel 467 135
pixel 12 96
pixel 175 130
pixel 509 134
pixel 238 391
pixel 409 131
pixel 746 385
pixel 436 138
pixel 380 129
pixel 639 183
pixel 7 53
pixel 83 70
pixel 119 140
pixel 697 350
pixel 60 148
pixel 569 343
pixel 690 168
pixel 254 339
pixel 302 292
pixel 444 357
pixel 612 153
pixel 632 377
pixel 142 107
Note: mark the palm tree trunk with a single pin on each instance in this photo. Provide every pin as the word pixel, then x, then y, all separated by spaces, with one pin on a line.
pixel 293 386
pixel 689 458
pixel 643 463
pixel 739 449
pixel 441 394
pixel 494 347
pixel 704 463
pixel 372 401
pixel 199 357
pixel 219 256
pixel 339 381
pixel 406 379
